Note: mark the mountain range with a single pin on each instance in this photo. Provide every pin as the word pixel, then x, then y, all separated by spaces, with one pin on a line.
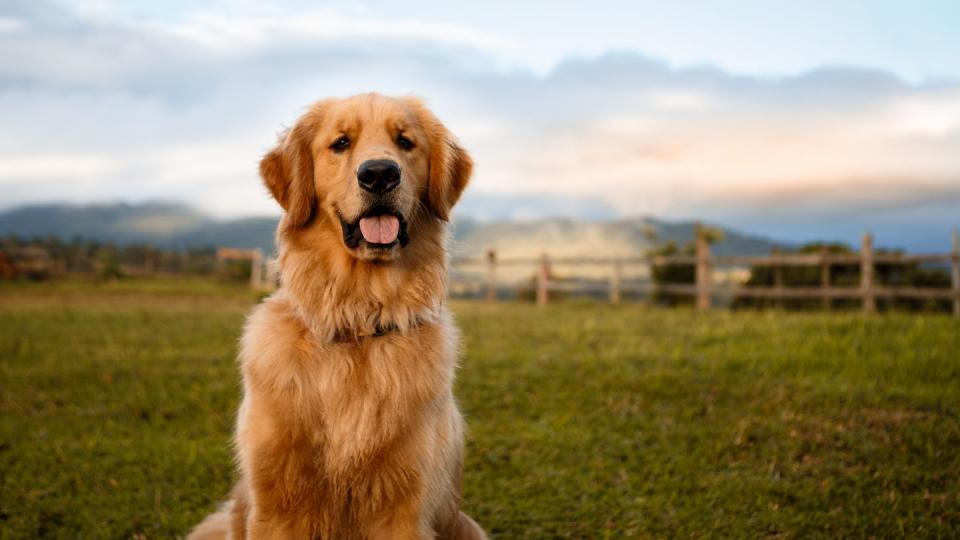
pixel 174 225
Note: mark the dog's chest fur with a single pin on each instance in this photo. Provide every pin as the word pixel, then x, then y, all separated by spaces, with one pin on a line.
pixel 343 420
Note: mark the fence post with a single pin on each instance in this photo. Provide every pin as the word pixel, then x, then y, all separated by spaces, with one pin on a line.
pixel 866 274
pixel 491 285
pixel 955 273
pixel 256 268
pixel 149 257
pixel 703 270
pixel 651 270
pixel 825 278
pixel 778 278
pixel 543 281
pixel 615 279
pixel 272 274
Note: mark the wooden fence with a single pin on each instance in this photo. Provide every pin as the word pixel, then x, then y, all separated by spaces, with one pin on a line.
pixel 264 273
pixel 703 290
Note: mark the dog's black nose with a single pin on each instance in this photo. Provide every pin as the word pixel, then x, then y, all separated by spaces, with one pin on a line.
pixel 379 175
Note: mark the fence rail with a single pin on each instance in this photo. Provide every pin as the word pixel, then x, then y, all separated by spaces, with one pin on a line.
pixel 703 290
pixel 264 272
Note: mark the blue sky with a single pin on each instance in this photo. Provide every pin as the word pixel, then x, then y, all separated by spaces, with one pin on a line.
pixel 797 120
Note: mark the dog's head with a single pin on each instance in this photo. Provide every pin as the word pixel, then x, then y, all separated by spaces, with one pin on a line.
pixel 373 166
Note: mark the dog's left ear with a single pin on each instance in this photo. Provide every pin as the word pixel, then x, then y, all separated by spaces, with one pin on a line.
pixel 449 174
pixel 450 164
pixel 287 171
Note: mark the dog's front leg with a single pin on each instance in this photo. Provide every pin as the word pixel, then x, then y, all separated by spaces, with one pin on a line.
pixel 277 468
pixel 404 521
pixel 262 526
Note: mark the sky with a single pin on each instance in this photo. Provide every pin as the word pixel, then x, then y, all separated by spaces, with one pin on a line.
pixel 793 120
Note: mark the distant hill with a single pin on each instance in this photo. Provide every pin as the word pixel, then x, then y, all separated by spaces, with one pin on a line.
pixel 169 225
pixel 174 225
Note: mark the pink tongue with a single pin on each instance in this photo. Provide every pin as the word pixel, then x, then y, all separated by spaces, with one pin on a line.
pixel 380 229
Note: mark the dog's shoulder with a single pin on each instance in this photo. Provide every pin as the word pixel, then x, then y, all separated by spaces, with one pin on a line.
pixel 272 334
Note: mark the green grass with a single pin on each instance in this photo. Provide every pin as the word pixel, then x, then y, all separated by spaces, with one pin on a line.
pixel 587 421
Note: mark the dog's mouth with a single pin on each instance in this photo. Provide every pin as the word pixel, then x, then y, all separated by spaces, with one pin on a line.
pixel 380 227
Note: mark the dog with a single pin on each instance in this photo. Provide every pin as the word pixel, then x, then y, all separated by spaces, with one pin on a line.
pixel 348 427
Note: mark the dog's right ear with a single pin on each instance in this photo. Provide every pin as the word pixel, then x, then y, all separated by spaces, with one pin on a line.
pixel 287 171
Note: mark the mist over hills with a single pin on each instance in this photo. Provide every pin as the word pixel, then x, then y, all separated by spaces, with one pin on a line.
pixel 173 225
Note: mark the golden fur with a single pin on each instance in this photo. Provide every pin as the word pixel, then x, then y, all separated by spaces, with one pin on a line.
pixel 358 436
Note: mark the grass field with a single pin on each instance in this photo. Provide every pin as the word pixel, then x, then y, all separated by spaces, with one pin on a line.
pixel 587 421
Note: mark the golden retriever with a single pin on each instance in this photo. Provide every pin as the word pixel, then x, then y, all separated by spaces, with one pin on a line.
pixel 348 426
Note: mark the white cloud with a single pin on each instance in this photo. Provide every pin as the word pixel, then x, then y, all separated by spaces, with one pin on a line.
pixel 64 167
pixel 321 26
pixel 682 99
pixel 11 24
pixel 929 116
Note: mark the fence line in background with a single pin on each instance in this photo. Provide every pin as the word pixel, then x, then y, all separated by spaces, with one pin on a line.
pixel 255 256
pixel 866 274
pixel 703 277
pixel 703 289
pixel 264 273
pixel 491 284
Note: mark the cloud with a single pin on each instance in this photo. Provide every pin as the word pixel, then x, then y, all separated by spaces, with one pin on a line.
pixel 10 25
pixel 98 107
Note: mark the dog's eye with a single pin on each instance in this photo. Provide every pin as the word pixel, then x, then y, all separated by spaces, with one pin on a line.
pixel 404 142
pixel 340 144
